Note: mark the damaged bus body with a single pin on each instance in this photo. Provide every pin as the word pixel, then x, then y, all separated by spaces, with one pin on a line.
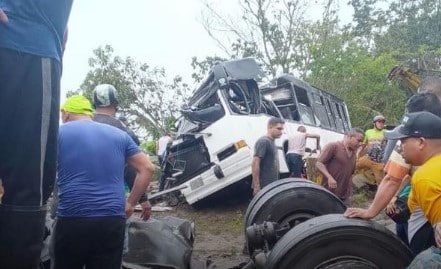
pixel 229 112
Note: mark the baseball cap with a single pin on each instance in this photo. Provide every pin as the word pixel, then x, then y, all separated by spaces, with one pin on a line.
pixel 78 104
pixel 417 124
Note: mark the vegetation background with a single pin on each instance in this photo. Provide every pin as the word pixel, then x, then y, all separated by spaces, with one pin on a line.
pixel 350 60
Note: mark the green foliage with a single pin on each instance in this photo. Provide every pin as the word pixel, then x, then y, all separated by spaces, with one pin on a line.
pixel 348 70
pixel 149 146
pixel 202 67
pixel 148 99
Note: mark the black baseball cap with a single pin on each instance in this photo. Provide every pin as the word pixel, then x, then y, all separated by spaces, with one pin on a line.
pixel 417 124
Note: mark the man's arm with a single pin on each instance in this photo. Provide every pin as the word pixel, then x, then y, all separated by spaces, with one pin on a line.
pixel 145 170
pixel 437 230
pixel 317 138
pixel 386 190
pixel 332 183
pixel 3 17
pixel 391 207
pixel 255 172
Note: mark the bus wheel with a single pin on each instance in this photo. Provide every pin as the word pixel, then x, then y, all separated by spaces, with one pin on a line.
pixel 289 202
pixel 335 242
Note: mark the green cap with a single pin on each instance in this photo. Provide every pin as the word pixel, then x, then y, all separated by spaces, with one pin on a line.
pixel 77 104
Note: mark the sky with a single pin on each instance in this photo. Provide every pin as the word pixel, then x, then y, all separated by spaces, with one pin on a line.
pixel 165 33
pixel 161 33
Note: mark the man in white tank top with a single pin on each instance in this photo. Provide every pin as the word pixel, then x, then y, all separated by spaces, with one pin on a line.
pixel 296 150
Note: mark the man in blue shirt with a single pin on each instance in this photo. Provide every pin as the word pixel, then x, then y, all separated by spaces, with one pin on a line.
pixel 31 42
pixel 92 208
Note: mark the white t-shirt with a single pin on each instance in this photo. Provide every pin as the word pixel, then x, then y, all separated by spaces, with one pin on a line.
pixel 297 143
pixel 162 144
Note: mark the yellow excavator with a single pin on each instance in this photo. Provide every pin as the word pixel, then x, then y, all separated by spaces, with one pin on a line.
pixel 406 76
pixel 410 78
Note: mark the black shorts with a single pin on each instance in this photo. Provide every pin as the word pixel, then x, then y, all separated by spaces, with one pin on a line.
pixel 96 243
pixel 423 239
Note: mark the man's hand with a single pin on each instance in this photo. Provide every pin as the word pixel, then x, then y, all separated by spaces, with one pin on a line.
pixel 438 234
pixel 129 209
pixel 353 212
pixel 391 207
pixel 3 17
pixel 332 183
pixel 146 210
pixel 256 189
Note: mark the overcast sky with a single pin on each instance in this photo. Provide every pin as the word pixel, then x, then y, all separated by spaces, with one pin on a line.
pixel 164 33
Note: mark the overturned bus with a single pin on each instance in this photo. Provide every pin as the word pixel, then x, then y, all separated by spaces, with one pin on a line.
pixel 229 112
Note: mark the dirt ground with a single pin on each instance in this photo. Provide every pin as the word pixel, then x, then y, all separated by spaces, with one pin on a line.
pixel 219 230
pixel 219 233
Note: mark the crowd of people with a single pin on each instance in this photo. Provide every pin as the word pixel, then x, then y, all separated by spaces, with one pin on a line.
pixel 409 186
pixel 93 160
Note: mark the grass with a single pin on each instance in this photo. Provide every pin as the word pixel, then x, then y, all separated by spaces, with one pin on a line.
pixel 362 197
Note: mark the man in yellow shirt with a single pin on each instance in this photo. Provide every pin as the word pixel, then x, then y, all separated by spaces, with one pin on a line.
pixel 420 136
pixel 376 133
pixel 373 142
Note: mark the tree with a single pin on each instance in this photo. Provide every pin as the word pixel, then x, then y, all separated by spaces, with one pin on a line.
pixel 359 78
pixel 149 100
pixel 398 24
pixel 275 32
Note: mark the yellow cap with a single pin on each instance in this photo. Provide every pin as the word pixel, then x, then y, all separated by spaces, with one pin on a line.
pixel 77 104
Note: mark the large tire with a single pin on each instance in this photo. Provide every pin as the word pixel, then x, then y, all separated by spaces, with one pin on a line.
pixel 336 242
pixel 291 201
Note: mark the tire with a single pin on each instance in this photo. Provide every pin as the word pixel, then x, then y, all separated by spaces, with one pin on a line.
pixel 289 202
pixel 262 195
pixel 336 242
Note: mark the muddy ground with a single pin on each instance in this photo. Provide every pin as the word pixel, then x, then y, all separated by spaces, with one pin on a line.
pixel 220 230
pixel 219 239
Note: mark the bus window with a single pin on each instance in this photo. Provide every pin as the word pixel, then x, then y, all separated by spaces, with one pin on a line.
pixel 344 117
pixel 320 111
pixel 237 99
pixel 285 102
pixel 306 114
pixel 330 114
pixel 302 96
pixel 338 119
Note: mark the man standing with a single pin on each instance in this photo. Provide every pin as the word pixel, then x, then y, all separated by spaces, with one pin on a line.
pixel 296 150
pixel 337 164
pixel 105 101
pixel 420 136
pixel 265 164
pixel 92 208
pixel 31 45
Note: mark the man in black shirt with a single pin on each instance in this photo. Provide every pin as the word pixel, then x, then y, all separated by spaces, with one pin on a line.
pixel 105 101
pixel 265 164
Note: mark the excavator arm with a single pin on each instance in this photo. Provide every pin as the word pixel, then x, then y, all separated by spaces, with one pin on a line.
pixel 407 77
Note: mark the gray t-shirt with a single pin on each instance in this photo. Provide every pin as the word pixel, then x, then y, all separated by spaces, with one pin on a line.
pixel 266 150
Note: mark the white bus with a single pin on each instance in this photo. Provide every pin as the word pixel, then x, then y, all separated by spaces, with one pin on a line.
pixel 229 112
